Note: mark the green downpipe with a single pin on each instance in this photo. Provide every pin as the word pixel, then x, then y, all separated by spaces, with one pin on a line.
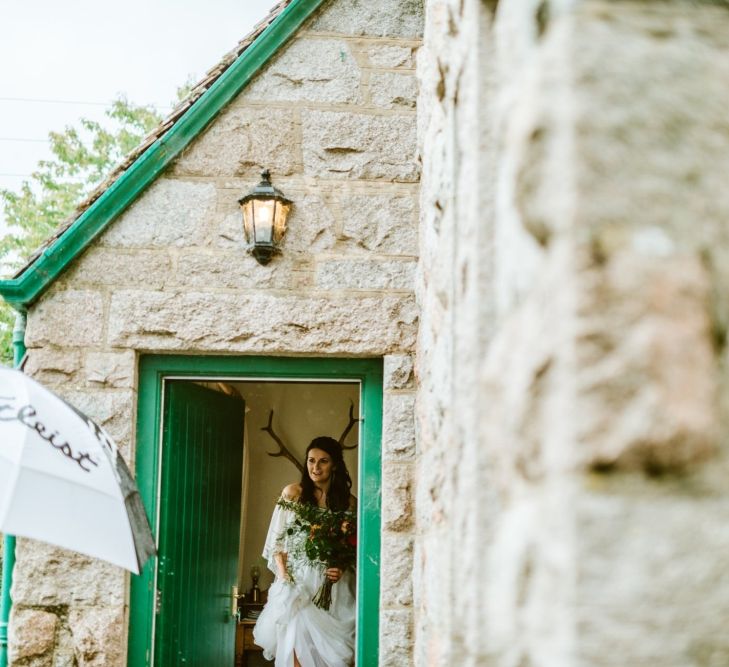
pixel 9 541
pixel 19 338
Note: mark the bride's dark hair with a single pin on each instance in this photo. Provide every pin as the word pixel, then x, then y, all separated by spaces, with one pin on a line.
pixel 340 482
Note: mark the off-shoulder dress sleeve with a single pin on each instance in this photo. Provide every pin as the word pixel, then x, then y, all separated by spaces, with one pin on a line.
pixel 277 539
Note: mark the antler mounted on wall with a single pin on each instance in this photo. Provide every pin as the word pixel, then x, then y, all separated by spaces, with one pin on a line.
pixel 284 451
pixel 352 421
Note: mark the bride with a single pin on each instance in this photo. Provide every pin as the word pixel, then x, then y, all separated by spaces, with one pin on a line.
pixel 291 628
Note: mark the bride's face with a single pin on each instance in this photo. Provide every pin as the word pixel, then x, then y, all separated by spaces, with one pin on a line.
pixel 320 466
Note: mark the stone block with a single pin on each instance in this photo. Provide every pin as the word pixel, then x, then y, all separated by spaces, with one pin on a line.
pixel 527 411
pixel 71 318
pixel 227 228
pixel 170 213
pixel 111 369
pixel 399 372
pixel 651 560
pixel 31 637
pixel 657 133
pixel 647 373
pixel 396 637
pixel 98 636
pixel 359 146
pixel 311 225
pixel 390 56
pixel 397 496
pixel 398 427
pixel 49 576
pixel 391 90
pixel 112 410
pixel 433 600
pixel 205 269
pixel 64 656
pixel 114 268
pixel 383 223
pixel 53 366
pixel 272 323
pixel 357 274
pixel 396 571
pixel 311 70
pixel 526 590
pixel 432 491
pixel 377 18
pixel 242 142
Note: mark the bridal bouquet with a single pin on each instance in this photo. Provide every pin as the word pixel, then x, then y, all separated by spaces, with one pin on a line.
pixel 331 541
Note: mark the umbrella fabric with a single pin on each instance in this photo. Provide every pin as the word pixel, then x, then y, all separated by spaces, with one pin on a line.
pixel 63 480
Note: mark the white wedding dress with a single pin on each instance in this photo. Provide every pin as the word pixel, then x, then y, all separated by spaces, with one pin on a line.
pixel 290 622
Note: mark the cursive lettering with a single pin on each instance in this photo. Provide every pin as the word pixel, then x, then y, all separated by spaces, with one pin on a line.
pixel 28 416
pixel 4 407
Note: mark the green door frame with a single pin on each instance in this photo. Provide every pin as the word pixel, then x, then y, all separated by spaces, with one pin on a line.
pixel 155 369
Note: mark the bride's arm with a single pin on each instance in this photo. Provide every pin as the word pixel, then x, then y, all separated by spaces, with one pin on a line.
pixel 290 493
pixel 281 559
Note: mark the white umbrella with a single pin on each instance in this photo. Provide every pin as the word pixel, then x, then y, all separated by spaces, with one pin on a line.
pixel 62 479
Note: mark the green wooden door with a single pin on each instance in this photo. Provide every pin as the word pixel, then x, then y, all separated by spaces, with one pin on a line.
pixel 200 504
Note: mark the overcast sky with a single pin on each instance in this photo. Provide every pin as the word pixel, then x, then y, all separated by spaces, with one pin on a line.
pixel 60 61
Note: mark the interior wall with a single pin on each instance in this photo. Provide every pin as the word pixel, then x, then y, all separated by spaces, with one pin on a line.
pixel 302 411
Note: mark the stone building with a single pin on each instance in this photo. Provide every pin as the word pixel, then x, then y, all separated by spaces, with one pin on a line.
pixel 509 232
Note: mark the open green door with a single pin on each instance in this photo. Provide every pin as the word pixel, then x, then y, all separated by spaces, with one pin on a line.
pixel 147 630
pixel 200 504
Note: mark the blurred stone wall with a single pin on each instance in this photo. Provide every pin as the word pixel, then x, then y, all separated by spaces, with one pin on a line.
pixel 333 117
pixel 571 412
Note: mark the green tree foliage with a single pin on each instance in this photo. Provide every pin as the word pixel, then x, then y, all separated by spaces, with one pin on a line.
pixel 7 320
pixel 82 157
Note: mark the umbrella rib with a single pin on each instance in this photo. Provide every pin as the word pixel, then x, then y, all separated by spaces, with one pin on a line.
pixel 9 493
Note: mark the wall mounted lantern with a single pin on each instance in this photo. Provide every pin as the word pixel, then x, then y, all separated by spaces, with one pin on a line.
pixel 265 210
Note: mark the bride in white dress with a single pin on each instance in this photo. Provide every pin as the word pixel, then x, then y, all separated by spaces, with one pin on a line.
pixel 291 628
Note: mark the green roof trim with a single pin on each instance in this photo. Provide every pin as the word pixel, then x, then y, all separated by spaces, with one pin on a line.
pixel 22 291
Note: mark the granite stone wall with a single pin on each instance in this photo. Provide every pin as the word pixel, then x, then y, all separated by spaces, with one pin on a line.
pixel 571 359
pixel 333 117
pixel 455 294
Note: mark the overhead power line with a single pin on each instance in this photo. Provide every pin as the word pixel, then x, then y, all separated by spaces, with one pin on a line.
pixel 43 141
pixel 47 101
pixel 73 102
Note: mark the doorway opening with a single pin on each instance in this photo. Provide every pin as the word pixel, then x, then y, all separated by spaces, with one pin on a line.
pixel 212 504
pixel 281 419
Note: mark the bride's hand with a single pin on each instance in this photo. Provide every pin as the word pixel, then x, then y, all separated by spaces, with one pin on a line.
pixel 334 574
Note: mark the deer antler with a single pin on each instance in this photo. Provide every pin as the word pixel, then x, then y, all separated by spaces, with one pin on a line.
pixel 352 421
pixel 282 449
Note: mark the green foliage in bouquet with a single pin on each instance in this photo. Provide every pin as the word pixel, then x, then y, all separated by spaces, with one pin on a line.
pixel 331 540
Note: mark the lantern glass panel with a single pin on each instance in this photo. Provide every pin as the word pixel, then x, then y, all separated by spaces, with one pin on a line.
pixel 248 220
pixel 279 221
pixel 263 210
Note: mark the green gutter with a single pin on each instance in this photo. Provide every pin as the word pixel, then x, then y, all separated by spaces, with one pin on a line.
pixel 9 541
pixel 21 292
